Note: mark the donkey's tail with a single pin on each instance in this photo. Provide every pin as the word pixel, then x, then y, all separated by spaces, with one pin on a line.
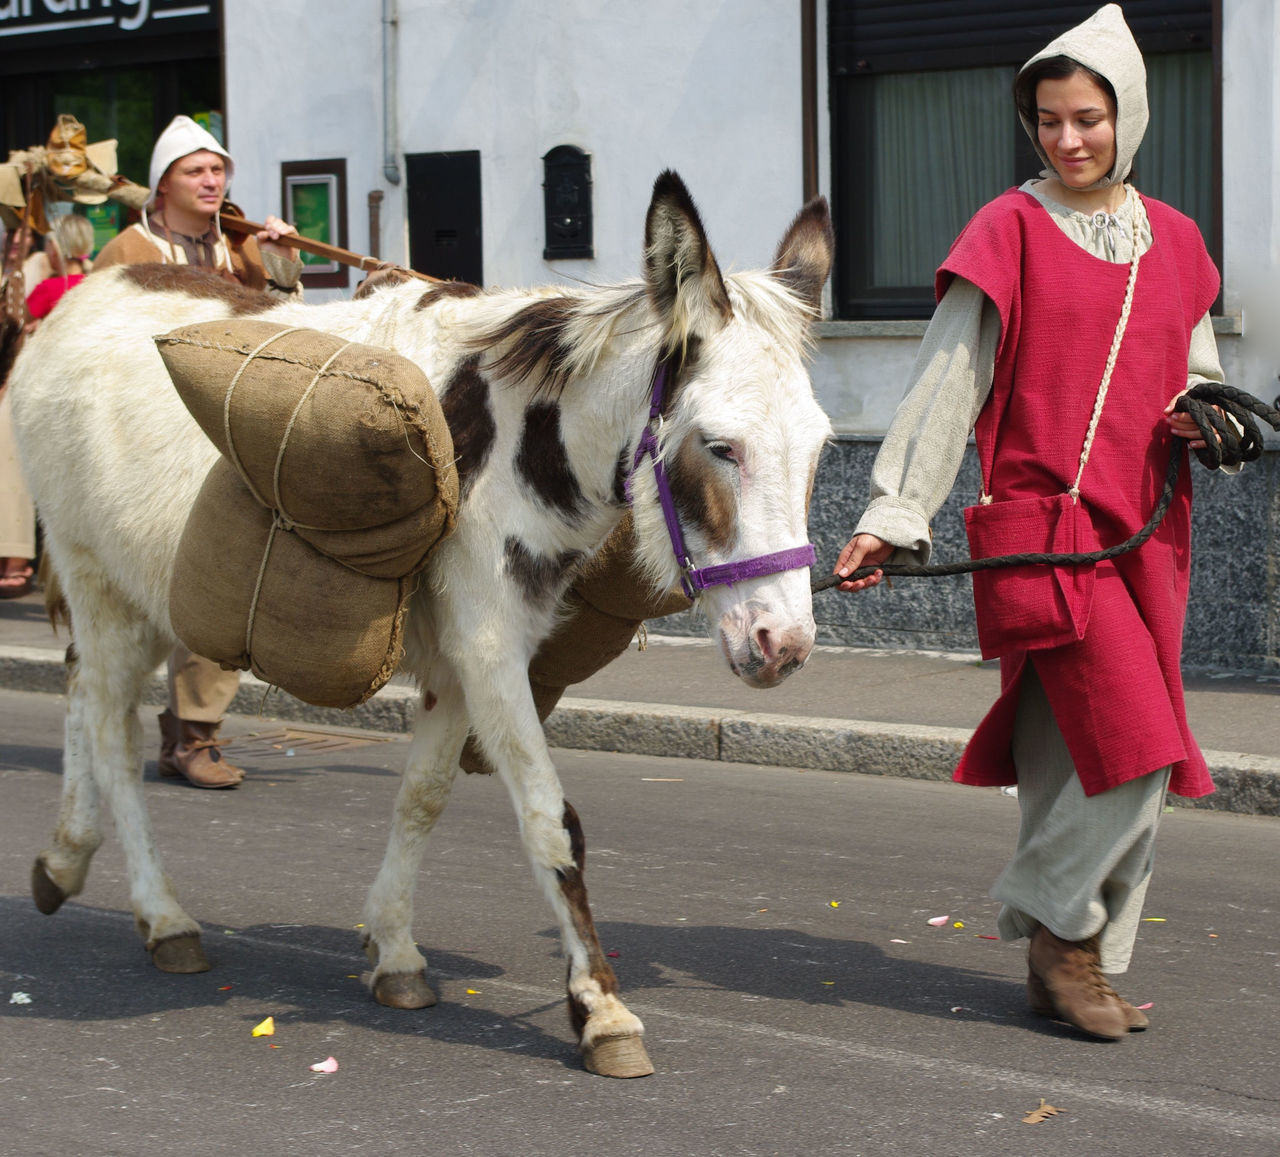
pixel 55 606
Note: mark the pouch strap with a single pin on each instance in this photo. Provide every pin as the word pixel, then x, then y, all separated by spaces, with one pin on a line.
pixel 1139 217
pixel 1139 214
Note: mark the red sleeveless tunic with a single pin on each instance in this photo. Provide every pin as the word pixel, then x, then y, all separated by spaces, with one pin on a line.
pixel 1117 693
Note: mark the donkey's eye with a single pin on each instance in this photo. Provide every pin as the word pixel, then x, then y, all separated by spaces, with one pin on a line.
pixel 721 450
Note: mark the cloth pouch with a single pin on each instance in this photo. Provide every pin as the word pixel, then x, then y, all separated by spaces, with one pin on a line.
pixel 1033 607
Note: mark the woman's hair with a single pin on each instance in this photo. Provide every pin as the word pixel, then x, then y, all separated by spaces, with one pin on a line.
pixel 1051 68
pixel 73 236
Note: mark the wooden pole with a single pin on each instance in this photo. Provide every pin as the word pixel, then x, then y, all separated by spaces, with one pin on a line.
pixel 239 225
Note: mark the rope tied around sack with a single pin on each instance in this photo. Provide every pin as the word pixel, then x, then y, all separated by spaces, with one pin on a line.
pixel 280 518
pixel 1226 444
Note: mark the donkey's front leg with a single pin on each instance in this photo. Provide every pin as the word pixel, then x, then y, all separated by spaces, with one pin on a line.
pixel 609 1034
pixel 399 974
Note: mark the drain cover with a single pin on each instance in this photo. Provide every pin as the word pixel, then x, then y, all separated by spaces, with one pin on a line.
pixel 299 741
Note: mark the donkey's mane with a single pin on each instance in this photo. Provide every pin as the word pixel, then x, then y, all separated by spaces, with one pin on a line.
pixel 764 301
pixel 549 337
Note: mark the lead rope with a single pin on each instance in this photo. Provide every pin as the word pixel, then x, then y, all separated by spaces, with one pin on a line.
pixel 1225 445
pixel 1229 446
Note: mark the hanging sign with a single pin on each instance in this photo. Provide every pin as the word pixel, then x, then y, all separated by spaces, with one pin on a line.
pixel 28 22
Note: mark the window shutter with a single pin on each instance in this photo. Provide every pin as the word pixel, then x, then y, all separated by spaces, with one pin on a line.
pixel 875 36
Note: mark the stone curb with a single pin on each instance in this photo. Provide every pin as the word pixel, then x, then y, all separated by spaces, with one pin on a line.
pixel 1248 784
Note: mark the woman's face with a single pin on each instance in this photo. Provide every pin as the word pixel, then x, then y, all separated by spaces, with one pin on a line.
pixel 1076 127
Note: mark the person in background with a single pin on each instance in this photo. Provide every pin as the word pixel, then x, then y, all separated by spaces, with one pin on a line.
pixel 190 176
pixel 1091 723
pixel 68 247
pixel 17 516
pixel 17 513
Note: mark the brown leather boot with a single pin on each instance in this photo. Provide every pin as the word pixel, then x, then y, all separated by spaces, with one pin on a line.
pixel 1042 1004
pixel 192 750
pixel 1071 976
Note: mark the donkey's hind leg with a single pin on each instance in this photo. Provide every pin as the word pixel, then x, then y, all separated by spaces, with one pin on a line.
pixel 117 651
pixel 399 973
pixel 61 869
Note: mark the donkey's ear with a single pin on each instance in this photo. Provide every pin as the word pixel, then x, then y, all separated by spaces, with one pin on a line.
pixel 681 274
pixel 803 260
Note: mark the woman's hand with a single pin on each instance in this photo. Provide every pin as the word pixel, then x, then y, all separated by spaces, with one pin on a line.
pixel 862 550
pixel 1182 425
pixel 268 238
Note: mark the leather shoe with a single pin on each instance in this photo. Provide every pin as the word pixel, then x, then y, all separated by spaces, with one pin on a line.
pixel 1042 1004
pixel 191 749
pixel 1070 974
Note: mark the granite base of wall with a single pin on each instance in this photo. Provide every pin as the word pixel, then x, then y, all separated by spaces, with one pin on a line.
pixel 1235 567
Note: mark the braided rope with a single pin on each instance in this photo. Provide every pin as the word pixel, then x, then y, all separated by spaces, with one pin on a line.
pixel 1139 214
pixel 1225 445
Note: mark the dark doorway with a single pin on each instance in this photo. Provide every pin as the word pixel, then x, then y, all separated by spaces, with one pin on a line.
pixel 445 238
pixel 128 103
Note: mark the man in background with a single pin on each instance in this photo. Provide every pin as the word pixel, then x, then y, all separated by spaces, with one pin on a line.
pixel 190 175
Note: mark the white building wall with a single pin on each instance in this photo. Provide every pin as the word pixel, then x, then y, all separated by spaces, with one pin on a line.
pixel 711 88
pixel 303 83
pixel 1251 187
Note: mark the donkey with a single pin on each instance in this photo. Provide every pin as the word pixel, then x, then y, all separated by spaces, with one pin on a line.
pixel 558 424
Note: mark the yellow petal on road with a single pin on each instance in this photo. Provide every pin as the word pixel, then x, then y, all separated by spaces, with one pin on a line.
pixel 266 1028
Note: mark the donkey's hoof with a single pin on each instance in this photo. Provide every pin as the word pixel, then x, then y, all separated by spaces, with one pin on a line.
pixel 404 990
pixel 181 953
pixel 47 895
pixel 617 1056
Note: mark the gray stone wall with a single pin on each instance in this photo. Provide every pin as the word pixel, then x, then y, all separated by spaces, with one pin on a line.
pixel 1235 573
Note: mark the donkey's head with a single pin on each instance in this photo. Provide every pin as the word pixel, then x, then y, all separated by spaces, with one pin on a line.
pixel 741 432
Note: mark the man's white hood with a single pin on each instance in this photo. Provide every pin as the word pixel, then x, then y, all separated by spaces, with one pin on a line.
pixel 181 138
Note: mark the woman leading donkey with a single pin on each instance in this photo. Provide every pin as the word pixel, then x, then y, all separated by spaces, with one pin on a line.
pixel 1070 312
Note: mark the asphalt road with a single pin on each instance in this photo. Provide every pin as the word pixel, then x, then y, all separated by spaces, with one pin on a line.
pixel 769 925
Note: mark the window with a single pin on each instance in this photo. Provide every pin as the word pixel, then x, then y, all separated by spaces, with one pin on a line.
pixel 924 131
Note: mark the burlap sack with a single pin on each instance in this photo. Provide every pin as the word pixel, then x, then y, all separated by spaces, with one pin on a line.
pixel 613 582
pixel 603 610
pixel 585 641
pixel 346 441
pixel 248 598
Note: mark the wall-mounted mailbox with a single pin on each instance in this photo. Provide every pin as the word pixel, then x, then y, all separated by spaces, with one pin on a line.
pixel 566 194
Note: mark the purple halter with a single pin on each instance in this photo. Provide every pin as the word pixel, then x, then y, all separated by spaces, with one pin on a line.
pixel 693 579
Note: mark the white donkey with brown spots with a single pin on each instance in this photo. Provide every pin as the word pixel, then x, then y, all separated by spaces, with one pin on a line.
pixel 550 396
